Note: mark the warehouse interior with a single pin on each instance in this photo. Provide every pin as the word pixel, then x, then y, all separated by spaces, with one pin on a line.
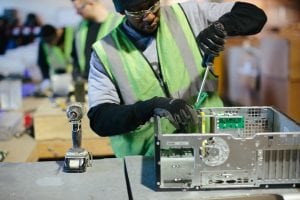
pixel 37 130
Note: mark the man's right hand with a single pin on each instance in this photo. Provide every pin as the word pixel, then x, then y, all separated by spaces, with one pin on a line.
pixel 177 111
pixel 212 39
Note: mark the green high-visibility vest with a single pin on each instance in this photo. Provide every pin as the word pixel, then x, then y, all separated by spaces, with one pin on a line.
pixel 58 58
pixel 180 62
pixel 112 21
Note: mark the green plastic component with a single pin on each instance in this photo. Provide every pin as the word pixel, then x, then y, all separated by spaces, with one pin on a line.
pixel 231 122
pixel 202 98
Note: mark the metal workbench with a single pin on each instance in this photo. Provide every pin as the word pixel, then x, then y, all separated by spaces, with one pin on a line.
pixel 141 175
pixel 106 179
pixel 46 180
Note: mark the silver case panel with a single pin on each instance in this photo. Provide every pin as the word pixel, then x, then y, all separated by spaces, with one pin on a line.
pixel 262 148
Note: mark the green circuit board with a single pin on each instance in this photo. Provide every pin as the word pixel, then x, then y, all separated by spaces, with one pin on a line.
pixel 231 122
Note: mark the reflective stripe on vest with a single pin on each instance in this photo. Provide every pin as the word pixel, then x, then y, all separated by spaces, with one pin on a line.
pixel 112 21
pixel 183 39
pixel 178 54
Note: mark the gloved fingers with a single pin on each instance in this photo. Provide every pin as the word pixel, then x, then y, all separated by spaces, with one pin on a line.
pixel 192 114
pixel 187 122
pixel 176 111
pixel 220 34
pixel 175 119
pixel 211 50
pixel 219 29
pixel 213 45
pixel 181 122
pixel 164 113
pixel 217 47
pixel 184 116
pixel 178 120
pixel 215 41
pixel 192 125
pixel 188 115
pixel 161 112
pixel 218 41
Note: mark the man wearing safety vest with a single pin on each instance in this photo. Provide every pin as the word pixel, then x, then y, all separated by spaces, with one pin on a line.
pixel 152 64
pixel 96 23
pixel 54 53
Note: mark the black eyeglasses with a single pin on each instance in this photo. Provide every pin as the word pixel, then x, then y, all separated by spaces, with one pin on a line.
pixel 140 14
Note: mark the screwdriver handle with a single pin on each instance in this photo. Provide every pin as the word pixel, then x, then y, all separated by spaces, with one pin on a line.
pixel 207 58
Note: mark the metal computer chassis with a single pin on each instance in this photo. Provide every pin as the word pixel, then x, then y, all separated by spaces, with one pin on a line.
pixel 234 147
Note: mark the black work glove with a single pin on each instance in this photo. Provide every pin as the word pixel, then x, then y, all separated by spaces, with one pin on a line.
pixel 118 119
pixel 177 111
pixel 212 39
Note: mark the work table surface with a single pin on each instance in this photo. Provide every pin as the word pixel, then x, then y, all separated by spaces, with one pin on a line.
pixel 46 180
pixel 106 179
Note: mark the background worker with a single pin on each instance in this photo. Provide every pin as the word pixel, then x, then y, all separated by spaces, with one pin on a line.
pixel 151 64
pixel 54 52
pixel 96 23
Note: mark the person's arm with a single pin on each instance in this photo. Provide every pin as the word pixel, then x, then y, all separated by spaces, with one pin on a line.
pixel 108 117
pixel 42 61
pixel 239 18
pixel 242 19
